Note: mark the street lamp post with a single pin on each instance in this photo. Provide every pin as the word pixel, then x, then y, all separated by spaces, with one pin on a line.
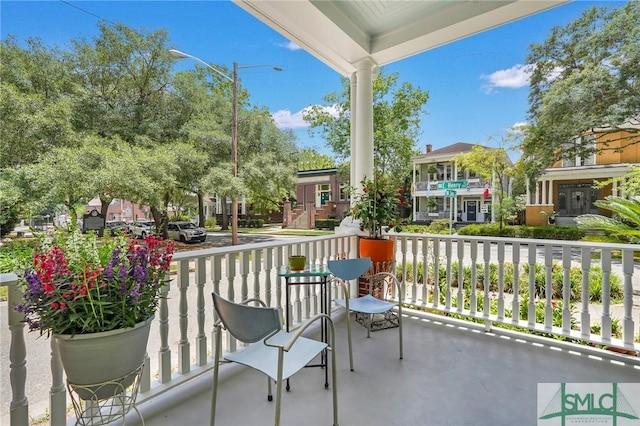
pixel 176 54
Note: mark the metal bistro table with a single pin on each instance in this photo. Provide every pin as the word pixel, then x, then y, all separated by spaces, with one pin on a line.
pixel 311 275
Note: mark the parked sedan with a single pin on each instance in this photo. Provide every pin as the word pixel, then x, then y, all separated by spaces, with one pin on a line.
pixel 186 232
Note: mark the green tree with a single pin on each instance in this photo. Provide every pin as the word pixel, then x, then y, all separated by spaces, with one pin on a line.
pixel 268 160
pixel 124 74
pixel 35 101
pixel 67 175
pixel 11 200
pixel 585 79
pixel 310 159
pixel 396 125
pixel 492 165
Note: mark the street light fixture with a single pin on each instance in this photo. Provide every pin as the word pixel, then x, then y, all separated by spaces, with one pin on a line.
pixel 176 54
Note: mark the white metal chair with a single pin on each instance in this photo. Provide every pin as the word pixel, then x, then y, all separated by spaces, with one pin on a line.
pixel 349 269
pixel 271 350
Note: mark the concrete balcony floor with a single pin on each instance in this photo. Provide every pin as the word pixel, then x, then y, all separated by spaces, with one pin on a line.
pixel 450 375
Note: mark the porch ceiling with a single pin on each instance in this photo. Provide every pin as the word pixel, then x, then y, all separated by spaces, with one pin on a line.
pixel 341 33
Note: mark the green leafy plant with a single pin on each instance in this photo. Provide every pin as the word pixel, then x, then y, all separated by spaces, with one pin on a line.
pixel 80 284
pixel 377 208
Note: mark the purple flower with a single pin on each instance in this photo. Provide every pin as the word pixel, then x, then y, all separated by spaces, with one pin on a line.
pixel 33 282
pixel 139 273
pixel 135 293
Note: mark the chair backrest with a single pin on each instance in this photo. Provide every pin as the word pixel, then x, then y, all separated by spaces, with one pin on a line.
pixel 349 269
pixel 246 323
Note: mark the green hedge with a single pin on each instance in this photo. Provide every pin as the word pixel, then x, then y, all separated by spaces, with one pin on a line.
pixel 570 233
pixel 327 223
pixel 596 277
pixel 250 223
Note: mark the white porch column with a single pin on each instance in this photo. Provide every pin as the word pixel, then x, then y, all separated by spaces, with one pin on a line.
pixel 537 193
pixel 362 120
pixel 614 188
pixel 550 196
pixel 493 197
pixel 528 193
pixel 414 184
pixel 354 152
pixel 544 192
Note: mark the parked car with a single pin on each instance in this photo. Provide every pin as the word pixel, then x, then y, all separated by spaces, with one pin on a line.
pixel 142 228
pixel 186 232
pixel 117 226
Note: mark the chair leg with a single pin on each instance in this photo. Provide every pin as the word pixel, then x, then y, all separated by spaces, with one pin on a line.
pixel 279 386
pixel 400 333
pixel 334 375
pixel 369 321
pixel 269 395
pixel 216 369
pixel 349 339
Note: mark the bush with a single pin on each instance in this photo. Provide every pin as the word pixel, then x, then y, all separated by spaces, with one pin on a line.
pixel 439 226
pixel 570 233
pixel 16 256
pixel 557 275
pixel 327 223
pixel 575 279
pixel 8 220
pixel 210 223
pixel 250 223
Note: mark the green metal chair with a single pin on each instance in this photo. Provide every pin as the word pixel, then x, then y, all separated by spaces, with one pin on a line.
pixel 368 305
pixel 271 350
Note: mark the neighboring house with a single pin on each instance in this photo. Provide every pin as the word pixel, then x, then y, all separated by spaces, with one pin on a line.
pixel 320 194
pixel 118 209
pixel 566 190
pixel 441 190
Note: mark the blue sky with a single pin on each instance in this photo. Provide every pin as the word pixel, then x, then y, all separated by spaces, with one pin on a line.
pixel 477 86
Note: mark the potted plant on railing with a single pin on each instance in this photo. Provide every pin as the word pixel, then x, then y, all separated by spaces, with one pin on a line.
pixel 97 298
pixel 376 208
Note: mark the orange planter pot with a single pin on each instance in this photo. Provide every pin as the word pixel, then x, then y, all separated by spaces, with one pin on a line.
pixel 377 250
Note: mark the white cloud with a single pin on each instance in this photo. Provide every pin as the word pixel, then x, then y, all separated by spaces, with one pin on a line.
pixel 290 45
pixel 285 119
pixel 512 78
pixel 518 127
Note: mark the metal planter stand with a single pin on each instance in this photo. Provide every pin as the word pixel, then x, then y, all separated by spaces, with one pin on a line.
pixel 98 410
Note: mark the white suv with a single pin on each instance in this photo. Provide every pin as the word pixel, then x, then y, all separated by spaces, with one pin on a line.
pixel 142 228
pixel 186 232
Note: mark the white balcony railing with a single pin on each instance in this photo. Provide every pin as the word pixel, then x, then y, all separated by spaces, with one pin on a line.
pixel 183 324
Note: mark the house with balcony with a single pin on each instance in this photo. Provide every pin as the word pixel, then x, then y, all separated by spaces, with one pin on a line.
pixel 442 190
pixel 566 189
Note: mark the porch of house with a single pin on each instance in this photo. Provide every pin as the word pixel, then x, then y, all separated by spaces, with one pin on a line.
pixel 453 373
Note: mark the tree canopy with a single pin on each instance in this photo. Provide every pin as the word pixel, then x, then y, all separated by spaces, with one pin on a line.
pixel 396 124
pixel 108 118
pixel 585 79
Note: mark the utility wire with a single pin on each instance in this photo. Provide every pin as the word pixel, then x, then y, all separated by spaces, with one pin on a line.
pixel 86 11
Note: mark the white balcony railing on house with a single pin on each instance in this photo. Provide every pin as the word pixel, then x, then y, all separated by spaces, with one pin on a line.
pixel 184 321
